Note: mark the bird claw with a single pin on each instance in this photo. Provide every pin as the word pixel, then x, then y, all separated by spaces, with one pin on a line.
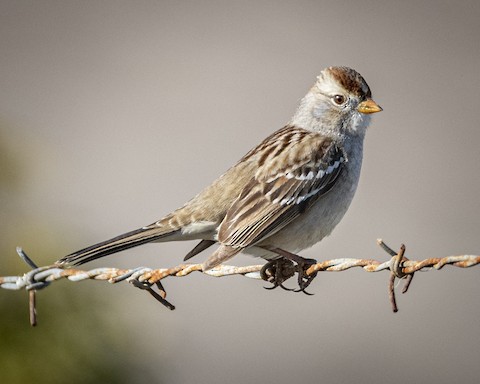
pixel 275 285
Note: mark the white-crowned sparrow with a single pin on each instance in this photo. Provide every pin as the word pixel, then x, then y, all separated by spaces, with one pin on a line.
pixel 283 196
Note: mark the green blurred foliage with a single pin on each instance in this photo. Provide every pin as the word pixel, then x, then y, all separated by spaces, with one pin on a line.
pixel 79 339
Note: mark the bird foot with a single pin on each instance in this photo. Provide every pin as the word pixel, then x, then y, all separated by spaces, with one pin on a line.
pixel 279 270
pixel 304 280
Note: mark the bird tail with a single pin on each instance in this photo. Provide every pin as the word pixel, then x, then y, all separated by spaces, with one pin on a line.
pixel 119 243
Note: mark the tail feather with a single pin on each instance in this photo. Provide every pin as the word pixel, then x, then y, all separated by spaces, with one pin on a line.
pixel 200 247
pixel 114 245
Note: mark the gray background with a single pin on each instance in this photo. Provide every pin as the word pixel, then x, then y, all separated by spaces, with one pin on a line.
pixel 122 111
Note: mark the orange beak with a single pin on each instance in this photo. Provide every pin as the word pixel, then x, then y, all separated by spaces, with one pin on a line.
pixel 368 106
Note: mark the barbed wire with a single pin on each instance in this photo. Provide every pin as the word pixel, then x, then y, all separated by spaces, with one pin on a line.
pixel 400 267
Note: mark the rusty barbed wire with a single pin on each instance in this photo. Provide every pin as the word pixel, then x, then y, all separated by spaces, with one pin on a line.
pixel 145 278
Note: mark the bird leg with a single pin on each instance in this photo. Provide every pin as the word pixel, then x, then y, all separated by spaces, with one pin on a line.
pixel 303 264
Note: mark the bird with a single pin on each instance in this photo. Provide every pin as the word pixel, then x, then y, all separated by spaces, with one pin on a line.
pixel 285 195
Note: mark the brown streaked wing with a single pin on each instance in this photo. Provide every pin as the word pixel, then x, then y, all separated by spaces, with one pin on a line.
pixel 283 187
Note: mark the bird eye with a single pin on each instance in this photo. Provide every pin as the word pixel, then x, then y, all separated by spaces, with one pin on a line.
pixel 338 99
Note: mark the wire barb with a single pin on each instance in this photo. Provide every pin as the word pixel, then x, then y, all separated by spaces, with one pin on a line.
pixel 32 298
pixel 399 265
pixel 396 272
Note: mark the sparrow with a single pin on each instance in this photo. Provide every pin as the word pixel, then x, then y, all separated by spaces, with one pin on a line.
pixel 284 195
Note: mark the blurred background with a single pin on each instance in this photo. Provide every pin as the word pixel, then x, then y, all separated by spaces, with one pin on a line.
pixel 113 113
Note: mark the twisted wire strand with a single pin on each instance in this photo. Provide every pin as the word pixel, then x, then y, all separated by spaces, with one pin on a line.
pixel 145 278
pixel 40 277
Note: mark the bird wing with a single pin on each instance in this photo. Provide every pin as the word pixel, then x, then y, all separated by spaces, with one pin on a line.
pixel 297 174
